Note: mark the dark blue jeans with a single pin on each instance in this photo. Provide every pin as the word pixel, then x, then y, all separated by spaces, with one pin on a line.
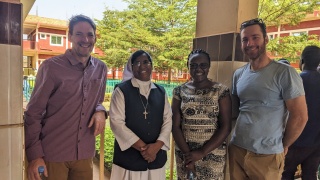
pixel 309 158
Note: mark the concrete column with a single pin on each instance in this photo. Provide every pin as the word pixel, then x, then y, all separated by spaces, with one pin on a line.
pixel 11 123
pixel 217 32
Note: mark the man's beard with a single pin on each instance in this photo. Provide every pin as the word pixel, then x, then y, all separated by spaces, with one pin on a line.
pixel 261 50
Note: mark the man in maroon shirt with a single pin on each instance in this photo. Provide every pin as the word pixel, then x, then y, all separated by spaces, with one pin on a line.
pixel 65 111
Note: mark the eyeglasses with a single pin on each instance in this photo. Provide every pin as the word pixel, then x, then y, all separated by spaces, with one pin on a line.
pixel 201 65
pixel 144 63
pixel 253 22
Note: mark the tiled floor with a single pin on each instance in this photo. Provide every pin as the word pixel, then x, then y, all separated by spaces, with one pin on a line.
pixel 96 171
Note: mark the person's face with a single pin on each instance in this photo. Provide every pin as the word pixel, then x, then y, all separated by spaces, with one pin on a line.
pixel 253 44
pixel 142 68
pixel 83 39
pixel 199 67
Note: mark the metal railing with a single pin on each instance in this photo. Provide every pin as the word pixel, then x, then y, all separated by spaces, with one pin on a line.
pixel 29 82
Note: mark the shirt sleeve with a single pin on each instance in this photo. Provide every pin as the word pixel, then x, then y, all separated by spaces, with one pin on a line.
pixel 166 126
pixel 125 137
pixel 35 111
pixel 234 84
pixel 223 91
pixel 291 84
pixel 176 93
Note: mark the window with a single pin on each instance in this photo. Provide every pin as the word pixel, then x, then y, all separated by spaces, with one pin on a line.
pixel 301 33
pixel 26 61
pixel 25 37
pixel 56 40
pixel 43 36
pixel 109 70
pixel 271 36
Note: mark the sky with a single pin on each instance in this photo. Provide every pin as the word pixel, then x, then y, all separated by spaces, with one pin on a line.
pixel 64 9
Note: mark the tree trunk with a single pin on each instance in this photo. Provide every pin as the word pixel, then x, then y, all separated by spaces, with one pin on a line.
pixel 169 75
pixel 114 73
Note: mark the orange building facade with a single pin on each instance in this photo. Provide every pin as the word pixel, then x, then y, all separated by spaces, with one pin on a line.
pixel 310 25
pixel 45 37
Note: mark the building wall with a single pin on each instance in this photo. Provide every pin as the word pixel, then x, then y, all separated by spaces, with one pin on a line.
pixel 302 25
pixel 45 56
pixel 45 43
pixel 51 31
pixel 310 26
pixel 317 32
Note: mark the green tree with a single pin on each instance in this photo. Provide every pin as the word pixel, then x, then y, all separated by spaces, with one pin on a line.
pixel 114 38
pixel 290 47
pixel 277 12
pixel 164 28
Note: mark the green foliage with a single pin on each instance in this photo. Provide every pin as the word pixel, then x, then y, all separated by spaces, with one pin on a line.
pixel 166 29
pixel 107 97
pixel 275 12
pixel 168 173
pixel 289 47
pixel 114 38
pixel 163 28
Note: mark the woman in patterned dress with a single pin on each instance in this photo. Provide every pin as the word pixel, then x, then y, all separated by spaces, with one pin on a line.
pixel 201 122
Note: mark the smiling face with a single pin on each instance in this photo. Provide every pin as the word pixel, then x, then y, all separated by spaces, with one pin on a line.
pixel 83 39
pixel 253 44
pixel 199 67
pixel 142 68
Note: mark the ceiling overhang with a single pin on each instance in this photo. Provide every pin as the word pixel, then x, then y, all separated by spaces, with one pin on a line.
pixel 27 5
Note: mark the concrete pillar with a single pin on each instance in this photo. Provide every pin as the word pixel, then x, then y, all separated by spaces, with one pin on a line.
pixel 11 112
pixel 217 32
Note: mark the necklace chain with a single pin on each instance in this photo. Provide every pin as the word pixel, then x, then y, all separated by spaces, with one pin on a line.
pixel 145 113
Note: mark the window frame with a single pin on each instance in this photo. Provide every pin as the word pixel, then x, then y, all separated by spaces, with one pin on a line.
pixel 56 44
pixel 40 36
pixel 298 33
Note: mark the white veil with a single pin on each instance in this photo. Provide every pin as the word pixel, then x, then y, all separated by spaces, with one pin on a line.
pixel 127 73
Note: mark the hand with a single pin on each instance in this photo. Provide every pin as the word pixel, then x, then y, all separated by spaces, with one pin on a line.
pixel 99 121
pixel 191 167
pixel 149 152
pixel 33 166
pixel 138 145
pixel 192 157
pixel 285 151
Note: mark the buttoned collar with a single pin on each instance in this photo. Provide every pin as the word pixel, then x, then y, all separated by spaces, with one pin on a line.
pixel 74 61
